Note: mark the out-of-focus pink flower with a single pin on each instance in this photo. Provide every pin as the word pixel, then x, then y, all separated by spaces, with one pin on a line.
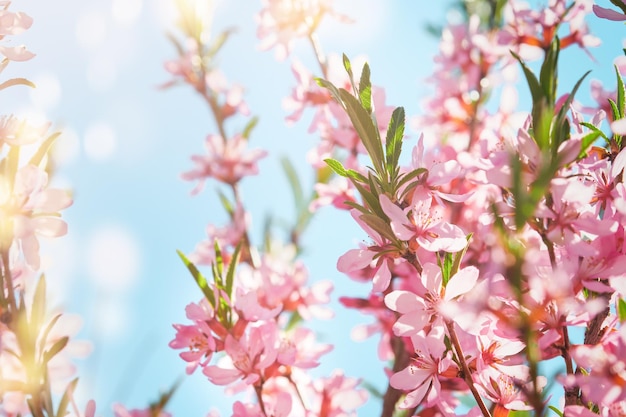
pixel 16 132
pixel 120 411
pixel 226 160
pixel 248 357
pixel 31 210
pixel 609 14
pixel 421 377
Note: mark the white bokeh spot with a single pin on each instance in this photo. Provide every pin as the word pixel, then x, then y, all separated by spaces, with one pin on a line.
pixel 91 30
pixel 66 147
pixel 100 141
pixel 126 12
pixel 113 259
pixel 47 93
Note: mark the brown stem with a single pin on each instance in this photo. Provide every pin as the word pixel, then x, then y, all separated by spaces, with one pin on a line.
pixel 8 281
pixel 571 393
pixel 467 373
pixel 258 389
pixel 401 361
pixel 319 55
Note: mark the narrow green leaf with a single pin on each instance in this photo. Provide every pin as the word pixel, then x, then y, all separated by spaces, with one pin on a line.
pixel 446 267
pixel 38 311
pixel 16 81
pixel 370 200
pixel 364 127
pixel 334 92
pixel 620 4
pixel 247 130
pixel 614 109
pixel 230 273
pixel 58 346
pixel 294 320
pixel 408 176
pixel 226 203
pixel 356 176
pixel 365 89
pixel 46 332
pixel 379 225
pixel 43 149
pixel 621 104
pixel 348 66
pixel 219 259
pixel 66 398
pixel 562 115
pixel 356 206
pixel 535 87
pixel 294 182
pixel 595 129
pixel 220 40
pixel 336 166
pixel 199 278
pixel 458 257
pixel 395 133
pixel 621 310
pixel 587 141
pixel 556 410
pixel 548 73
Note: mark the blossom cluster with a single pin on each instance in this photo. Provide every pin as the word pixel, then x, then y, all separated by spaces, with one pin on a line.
pixel 501 235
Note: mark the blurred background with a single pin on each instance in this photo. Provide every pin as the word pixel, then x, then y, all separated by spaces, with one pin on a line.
pixel 98 69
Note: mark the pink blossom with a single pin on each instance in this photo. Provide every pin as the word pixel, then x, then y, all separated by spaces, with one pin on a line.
pixel 421 377
pixel 417 311
pixel 247 357
pixel 121 411
pixel 423 227
pixel 30 210
pixel 609 14
pixel 226 160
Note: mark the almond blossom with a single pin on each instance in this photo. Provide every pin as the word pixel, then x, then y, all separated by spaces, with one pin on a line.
pixel 227 160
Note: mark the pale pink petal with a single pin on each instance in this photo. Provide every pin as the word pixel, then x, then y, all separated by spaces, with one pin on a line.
pixel 16 53
pixel 619 126
pixel 609 14
pixel 354 260
pixel 461 282
pixel 403 301
pixel 382 278
pixel 397 217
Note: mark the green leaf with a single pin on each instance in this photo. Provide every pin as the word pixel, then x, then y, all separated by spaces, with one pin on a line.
pixel 199 278
pixel 66 398
pixel 395 133
pixel 220 40
pixel 219 259
pixel 336 166
pixel 614 109
pixel 356 176
pixel 621 310
pixel 38 311
pixel 619 4
pixel 620 93
pixel 379 225
pixel 408 176
pixel 334 92
pixel 348 66
pixel 365 89
pixel 535 87
pixel 370 200
pixel 58 346
pixel 364 127
pixel 446 267
pixel 587 141
pixel 230 273
pixel 46 332
pixel 556 410
pixel 560 129
pixel 226 203
pixel 458 257
pixel 294 182
pixel 16 81
pixel 43 149
pixel 247 130
pixel 595 129
pixel 548 73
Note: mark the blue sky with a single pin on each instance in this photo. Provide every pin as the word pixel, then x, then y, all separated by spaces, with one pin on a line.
pixel 125 143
